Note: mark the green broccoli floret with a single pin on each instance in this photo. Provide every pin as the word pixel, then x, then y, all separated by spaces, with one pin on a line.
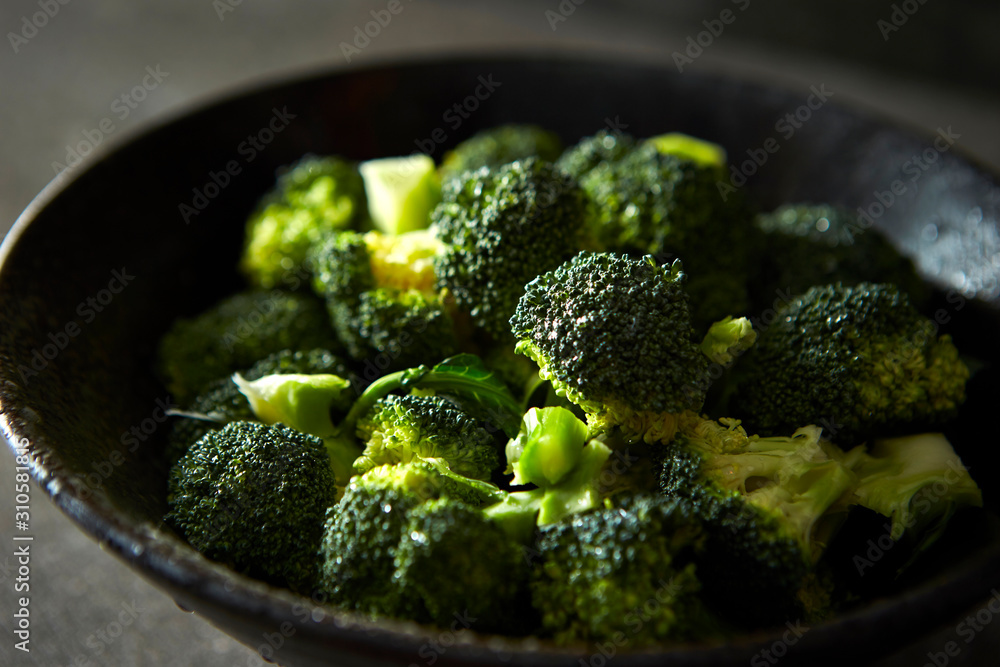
pixel 501 228
pixel 627 571
pixel 399 429
pixel 918 482
pixel 237 332
pixel 381 296
pixel 500 145
pixel 254 497
pixel 591 151
pixel 860 361
pixel 382 557
pixel 666 203
pixel 820 244
pixel 313 198
pixel 223 402
pixel 612 334
pixel 770 507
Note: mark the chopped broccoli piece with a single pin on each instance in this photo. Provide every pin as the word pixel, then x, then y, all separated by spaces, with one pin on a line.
pixel 918 481
pixel 237 332
pixel 598 574
pixel 591 151
pixel 689 148
pixel 253 497
pixel 223 402
pixel 612 334
pixel 500 145
pixel 548 447
pixel 399 429
pixel 401 192
pixel 770 507
pixel 380 293
pixel 313 198
pixel 727 339
pixel 820 244
pixel 501 228
pixel 861 361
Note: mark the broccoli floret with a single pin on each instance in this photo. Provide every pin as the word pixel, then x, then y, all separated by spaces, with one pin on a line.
pixel 237 332
pixel 612 334
pixel 770 507
pixel 626 571
pixel 820 244
pixel 381 296
pixel 313 199
pixel 860 361
pixel 365 540
pixel 604 146
pixel 254 497
pixel 501 228
pixel 667 204
pixel 917 481
pixel 399 429
pixel 223 402
pixel 500 145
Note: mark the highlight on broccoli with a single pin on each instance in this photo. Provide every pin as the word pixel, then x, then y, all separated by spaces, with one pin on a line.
pixel 499 145
pixel 399 429
pixel 769 505
pixel 237 332
pixel 626 573
pixel 500 229
pixel 821 244
pixel 858 360
pixel 313 198
pixel 222 402
pixel 253 497
pixel 613 335
pixel 381 296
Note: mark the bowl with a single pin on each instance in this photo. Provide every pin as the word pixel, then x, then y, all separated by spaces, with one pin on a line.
pixel 112 251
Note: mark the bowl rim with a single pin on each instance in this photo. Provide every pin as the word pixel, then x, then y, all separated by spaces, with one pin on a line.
pixel 190 578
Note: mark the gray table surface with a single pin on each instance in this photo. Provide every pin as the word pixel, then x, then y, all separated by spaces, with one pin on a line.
pixel 87 607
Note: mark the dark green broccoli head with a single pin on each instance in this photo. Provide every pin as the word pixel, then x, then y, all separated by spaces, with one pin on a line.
pixel 525 218
pixel 591 151
pixel 667 205
pixel 860 361
pixel 613 335
pixel 820 244
pixel 626 571
pixel 313 198
pixel 254 497
pixel 361 540
pixel 222 399
pixel 380 293
pixel 237 332
pixel 399 429
pixel 452 561
pixel 770 506
pixel 500 145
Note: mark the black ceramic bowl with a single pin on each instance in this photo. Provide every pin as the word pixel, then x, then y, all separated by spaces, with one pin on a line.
pixel 165 213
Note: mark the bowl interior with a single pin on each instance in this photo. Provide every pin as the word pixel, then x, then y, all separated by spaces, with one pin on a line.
pixel 109 255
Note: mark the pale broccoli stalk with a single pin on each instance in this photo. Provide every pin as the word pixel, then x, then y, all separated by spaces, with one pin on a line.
pixel 683 146
pixel 401 192
pixel 902 479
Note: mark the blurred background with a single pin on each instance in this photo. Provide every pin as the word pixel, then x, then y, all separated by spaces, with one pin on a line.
pixel 76 73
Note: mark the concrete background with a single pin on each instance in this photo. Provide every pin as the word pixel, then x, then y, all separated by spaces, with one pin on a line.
pixel 59 82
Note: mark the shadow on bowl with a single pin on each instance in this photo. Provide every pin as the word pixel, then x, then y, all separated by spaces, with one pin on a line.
pixel 108 255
